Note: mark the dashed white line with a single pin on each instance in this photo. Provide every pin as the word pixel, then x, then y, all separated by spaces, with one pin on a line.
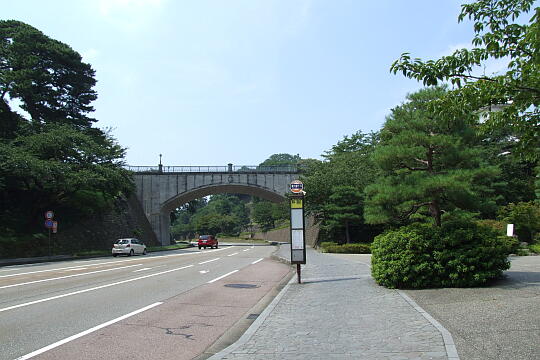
pixel 108 262
pixel 82 268
pixel 222 276
pixel 86 332
pixel 42 271
pixel 207 261
pixel 92 289
pixel 233 254
pixel 67 276
pixel 246 250
pixel 143 269
pixel 256 261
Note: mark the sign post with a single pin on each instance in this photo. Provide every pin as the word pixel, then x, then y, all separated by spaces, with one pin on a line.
pixel 50 224
pixel 298 229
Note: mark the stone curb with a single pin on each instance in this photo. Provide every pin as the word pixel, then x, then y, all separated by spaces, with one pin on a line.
pixel 448 340
pixel 449 344
pixel 256 324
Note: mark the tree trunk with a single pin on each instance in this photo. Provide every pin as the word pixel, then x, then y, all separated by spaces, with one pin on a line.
pixel 435 211
pixel 347 235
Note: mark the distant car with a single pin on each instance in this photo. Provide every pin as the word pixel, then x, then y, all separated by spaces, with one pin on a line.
pixel 207 241
pixel 129 247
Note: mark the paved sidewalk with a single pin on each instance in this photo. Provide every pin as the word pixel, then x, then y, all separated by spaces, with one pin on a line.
pixel 339 313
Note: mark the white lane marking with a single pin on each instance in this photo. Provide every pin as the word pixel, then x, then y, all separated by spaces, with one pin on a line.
pixel 67 276
pixel 143 269
pixel 222 276
pixel 42 271
pixel 83 268
pixel 92 289
pixel 233 254
pixel 86 332
pixel 207 261
pixel 246 250
pixel 204 271
pixel 253 263
pixel 114 262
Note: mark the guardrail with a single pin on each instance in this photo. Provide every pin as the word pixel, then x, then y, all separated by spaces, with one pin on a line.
pixel 214 169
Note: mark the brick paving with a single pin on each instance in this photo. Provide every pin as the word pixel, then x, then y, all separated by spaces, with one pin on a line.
pixel 338 313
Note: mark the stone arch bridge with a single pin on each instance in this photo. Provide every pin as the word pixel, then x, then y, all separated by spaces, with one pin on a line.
pixel 161 189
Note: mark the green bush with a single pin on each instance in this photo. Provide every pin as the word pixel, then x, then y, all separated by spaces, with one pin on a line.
pixel 347 248
pixel 461 253
pixel 535 248
pixel 499 226
pixel 326 244
pixel 526 218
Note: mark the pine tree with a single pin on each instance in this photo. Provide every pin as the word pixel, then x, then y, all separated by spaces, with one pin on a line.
pixel 429 161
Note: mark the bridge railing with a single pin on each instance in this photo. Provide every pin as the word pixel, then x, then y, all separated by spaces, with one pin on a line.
pixel 214 169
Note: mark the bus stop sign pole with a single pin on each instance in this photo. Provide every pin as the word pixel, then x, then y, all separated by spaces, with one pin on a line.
pixel 298 229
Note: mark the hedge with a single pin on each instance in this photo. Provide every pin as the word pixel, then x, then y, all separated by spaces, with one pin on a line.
pixel 357 248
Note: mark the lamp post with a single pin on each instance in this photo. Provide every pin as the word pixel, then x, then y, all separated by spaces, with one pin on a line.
pixel 160 165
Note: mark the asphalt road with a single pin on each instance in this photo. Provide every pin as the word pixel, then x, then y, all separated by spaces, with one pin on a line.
pixel 73 301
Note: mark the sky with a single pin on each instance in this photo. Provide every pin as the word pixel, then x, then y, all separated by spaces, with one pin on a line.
pixel 234 81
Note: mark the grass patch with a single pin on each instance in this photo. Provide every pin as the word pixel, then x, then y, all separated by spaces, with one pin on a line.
pixel 93 253
pixel 167 247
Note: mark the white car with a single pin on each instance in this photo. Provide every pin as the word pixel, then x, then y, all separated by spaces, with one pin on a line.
pixel 130 246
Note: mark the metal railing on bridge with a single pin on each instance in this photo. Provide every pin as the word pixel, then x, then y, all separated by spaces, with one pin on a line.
pixel 214 169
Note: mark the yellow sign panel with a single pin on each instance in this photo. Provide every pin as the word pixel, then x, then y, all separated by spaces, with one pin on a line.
pixel 297 203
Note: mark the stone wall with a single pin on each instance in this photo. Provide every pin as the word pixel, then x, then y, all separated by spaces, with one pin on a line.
pixel 126 219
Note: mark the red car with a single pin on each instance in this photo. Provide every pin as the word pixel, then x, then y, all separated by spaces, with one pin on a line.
pixel 207 241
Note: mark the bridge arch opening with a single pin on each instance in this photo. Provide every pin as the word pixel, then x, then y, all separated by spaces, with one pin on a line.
pixel 179 200
pixel 186 197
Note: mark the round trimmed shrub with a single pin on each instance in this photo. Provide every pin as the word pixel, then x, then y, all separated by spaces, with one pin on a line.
pixel 461 253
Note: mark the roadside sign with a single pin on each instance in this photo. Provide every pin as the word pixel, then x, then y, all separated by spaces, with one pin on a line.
pixel 298 227
pixel 297 186
pixel 510 230
pixel 54 227
pixel 298 238
pixel 297 203
pixel 49 215
pixel 49 224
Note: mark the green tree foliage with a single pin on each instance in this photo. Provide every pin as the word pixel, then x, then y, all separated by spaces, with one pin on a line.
pixel 281 160
pixel 266 214
pixel 347 165
pixel 223 214
pixel 343 209
pixel 526 218
pixel 458 254
pixel 500 33
pixel 263 215
pixel 51 158
pixel 515 183
pixel 428 162
pixel 47 76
